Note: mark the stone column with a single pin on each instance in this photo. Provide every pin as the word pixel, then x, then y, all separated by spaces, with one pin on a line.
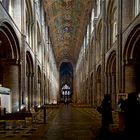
pixel 38 93
pixel 32 89
pixel 106 81
pixel 94 66
pixel 130 78
pixel 109 83
pixel 27 96
pixel 103 46
pixel 119 68
pixel 91 90
pixel 113 85
pixel 99 94
pixel 45 93
pixel 29 91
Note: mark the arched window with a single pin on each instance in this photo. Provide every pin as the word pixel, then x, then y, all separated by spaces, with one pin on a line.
pixel 114 27
pixel 136 7
pixel 87 35
pixel 6 4
pixel 29 23
pixel 11 7
pixel 92 19
pixel 27 27
pixel 98 7
pixel 112 23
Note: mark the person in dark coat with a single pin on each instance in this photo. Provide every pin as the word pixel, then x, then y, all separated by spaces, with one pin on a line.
pixel 106 115
pixel 132 116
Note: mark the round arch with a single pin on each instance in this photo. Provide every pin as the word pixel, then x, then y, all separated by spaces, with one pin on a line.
pixel 111 77
pixel 111 22
pixel 10 62
pixel 29 62
pixel 110 66
pixel 131 45
pixel 131 61
pixel 8 39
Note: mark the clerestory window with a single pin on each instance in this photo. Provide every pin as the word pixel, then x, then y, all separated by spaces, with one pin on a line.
pixel 6 4
pixel 136 7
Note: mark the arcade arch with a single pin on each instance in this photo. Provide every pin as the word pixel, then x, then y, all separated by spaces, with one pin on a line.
pixel 111 77
pixel 132 61
pixel 10 62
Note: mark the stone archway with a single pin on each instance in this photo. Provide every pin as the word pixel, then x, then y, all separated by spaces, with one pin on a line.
pixel 132 61
pixel 66 77
pixel 10 63
pixel 111 77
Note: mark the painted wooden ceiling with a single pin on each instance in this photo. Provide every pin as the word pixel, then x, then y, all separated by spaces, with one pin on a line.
pixel 67 20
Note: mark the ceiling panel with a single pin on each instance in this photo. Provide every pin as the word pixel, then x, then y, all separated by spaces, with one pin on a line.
pixel 67 20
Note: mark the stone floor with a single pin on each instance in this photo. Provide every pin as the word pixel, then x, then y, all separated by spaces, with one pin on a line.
pixel 71 123
pixel 63 123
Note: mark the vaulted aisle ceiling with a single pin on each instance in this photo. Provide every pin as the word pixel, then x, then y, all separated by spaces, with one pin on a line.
pixel 67 20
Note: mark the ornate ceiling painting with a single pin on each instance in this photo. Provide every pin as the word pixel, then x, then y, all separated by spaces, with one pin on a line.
pixel 67 20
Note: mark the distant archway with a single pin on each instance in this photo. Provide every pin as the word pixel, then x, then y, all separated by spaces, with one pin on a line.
pixel 66 78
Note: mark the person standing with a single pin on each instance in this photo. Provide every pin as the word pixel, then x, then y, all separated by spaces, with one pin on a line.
pixel 132 116
pixel 107 118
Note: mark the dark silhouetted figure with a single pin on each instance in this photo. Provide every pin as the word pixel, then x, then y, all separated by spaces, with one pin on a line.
pixel 132 117
pixel 106 116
